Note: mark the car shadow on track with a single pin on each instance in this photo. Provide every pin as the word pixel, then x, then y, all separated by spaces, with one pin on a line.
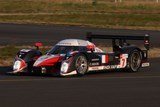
pixel 5 69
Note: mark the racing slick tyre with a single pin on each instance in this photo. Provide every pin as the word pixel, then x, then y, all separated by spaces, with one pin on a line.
pixel 135 60
pixel 81 65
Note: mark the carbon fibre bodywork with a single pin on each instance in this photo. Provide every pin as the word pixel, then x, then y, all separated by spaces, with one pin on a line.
pixel 72 56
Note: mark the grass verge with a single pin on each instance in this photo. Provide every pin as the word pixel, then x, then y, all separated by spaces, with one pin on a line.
pixel 110 20
pixel 112 15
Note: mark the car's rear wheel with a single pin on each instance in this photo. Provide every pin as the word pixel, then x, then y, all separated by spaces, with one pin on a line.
pixel 135 60
pixel 81 65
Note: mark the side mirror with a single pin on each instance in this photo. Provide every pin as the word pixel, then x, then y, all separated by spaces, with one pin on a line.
pixel 91 48
pixel 38 44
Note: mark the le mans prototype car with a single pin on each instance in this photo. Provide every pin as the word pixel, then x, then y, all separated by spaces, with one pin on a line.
pixel 77 57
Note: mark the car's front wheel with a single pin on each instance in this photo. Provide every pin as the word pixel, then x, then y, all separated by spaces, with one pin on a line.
pixel 81 65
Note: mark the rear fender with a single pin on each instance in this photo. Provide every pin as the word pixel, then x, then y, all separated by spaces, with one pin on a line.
pixel 128 50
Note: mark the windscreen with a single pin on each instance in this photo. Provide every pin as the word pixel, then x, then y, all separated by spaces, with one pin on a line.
pixel 64 49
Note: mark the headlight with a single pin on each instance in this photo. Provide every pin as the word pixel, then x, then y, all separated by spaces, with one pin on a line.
pixel 64 67
pixel 16 65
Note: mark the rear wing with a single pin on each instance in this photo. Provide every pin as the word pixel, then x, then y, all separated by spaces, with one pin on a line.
pixel 121 39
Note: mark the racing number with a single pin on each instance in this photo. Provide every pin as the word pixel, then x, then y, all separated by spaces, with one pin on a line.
pixel 123 62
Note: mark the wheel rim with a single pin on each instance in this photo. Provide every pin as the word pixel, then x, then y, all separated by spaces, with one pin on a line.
pixel 81 64
pixel 135 61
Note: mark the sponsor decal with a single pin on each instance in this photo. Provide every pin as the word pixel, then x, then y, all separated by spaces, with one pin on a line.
pixel 124 56
pixel 94 63
pixel 145 64
pixel 110 67
pixel 25 50
pixel 95 59
pixel 63 43
pixel 95 68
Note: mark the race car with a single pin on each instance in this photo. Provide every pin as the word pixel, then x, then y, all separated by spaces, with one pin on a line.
pixel 77 57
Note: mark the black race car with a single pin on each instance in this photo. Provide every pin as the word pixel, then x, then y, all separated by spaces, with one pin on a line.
pixel 75 56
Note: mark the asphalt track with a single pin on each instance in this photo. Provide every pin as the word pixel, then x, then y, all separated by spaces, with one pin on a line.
pixel 105 89
pixel 15 34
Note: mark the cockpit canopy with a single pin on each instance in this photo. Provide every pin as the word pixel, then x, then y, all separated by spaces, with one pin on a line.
pixel 70 45
pixel 65 49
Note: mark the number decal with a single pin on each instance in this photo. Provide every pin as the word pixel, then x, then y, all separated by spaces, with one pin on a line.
pixel 123 61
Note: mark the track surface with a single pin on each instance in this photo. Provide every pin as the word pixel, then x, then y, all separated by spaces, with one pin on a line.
pixel 112 89
pixel 51 34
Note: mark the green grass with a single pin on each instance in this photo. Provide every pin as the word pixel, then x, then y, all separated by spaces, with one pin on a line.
pixel 119 15
pixel 7 52
pixel 42 6
pixel 105 20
